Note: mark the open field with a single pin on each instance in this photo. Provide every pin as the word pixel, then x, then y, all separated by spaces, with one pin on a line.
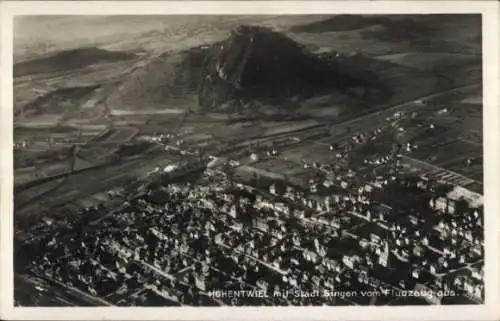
pixel 83 184
pixel 431 61
pixel 119 134
pixel 467 119
pixel 281 166
pixel 273 128
pixel 28 174
pixel 146 111
pixel 449 153
pixel 29 88
pixel 38 191
pixel 92 148
pixel 310 153
pixel 474 99
pixel 432 171
pixel 453 156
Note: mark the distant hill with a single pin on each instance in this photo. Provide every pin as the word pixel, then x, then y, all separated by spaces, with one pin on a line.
pixel 395 25
pixel 428 33
pixel 338 23
pixel 68 60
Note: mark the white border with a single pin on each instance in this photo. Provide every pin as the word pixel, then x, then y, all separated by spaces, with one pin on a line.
pixel 491 54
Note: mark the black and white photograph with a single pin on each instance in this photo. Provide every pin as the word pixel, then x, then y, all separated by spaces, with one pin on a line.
pixel 206 160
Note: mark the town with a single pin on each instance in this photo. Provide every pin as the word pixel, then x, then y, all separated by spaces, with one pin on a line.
pixel 169 243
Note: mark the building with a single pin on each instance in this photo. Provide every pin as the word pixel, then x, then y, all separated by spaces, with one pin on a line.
pixel 351 261
pixel 385 255
pixel 443 204
pixel 272 189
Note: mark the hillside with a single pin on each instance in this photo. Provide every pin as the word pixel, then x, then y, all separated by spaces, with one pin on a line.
pixel 69 60
pixel 57 102
pixel 168 81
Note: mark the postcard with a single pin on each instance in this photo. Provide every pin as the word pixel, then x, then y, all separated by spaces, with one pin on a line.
pixel 294 160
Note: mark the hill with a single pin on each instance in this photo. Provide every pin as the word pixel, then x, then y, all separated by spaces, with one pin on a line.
pixel 253 65
pixel 424 33
pixel 69 60
pixel 256 63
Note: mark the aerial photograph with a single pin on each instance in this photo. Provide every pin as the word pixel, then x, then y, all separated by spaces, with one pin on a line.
pixel 234 160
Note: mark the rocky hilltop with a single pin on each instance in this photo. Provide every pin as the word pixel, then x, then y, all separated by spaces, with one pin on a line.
pixel 253 66
pixel 257 63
